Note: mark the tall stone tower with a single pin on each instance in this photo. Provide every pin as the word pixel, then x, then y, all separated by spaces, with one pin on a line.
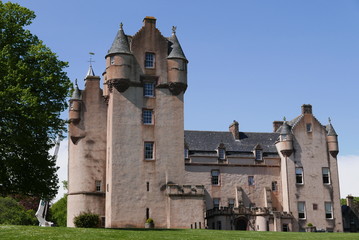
pixel 136 130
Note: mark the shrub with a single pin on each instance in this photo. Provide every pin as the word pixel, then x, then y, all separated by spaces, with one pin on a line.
pixel 12 213
pixel 87 220
pixel 310 224
pixel 149 220
pixel 58 212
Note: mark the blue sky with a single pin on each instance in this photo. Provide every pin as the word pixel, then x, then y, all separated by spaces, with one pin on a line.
pixel 253 61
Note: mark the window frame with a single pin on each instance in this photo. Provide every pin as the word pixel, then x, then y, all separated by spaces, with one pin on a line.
pixel 231 202
pixel 326 176
pixel 98 185
pixel 221 153
pixel 215 179
pixel 328 212
pixel 274 186
pixel 150 60
pixel 145 117
pixel 251 181
pixel 309 127
pixel 149 89
pixel 301 210
pixel 299 176
pixel 149 150
pixel 112 60
pixel 216 202
pixel 258 154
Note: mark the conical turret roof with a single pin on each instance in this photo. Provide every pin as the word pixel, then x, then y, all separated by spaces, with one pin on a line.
pixel 90 72
pixel 285 130
pixel 76 95
pixel 330 129
pixel 120 44
pixel 176 49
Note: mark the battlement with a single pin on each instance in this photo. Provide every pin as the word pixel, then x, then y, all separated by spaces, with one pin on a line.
pixel 184 190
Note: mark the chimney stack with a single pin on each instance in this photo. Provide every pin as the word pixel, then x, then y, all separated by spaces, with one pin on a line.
pixel 234 129
pixel 306 109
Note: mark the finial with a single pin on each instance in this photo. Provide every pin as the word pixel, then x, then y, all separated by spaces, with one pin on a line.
pixel 76 83
pixel 121 26
pixel 91 54
pixel 174 28
pixel 330 121
pixel 284 119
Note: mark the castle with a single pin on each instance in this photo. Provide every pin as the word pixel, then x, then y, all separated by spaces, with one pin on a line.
pixel 130 158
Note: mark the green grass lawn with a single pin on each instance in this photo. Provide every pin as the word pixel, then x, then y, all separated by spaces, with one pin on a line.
pixel 38 233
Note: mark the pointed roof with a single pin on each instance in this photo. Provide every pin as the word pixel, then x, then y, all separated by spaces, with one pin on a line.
pixel 176 49
pixel 76 95
pixel 120 44
pixel 330 129
pixel 285 129
pixel 90 72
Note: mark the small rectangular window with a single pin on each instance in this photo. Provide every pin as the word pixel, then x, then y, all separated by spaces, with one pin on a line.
pixel 259 154
pixel 315 206
pixel 274 186
pixel 216 202
pixel 150 60
pixel 186 153
pixel 231 202
pixel 147 116
pixel 299 175
pixel 326 175
pixel 250 180
pixel 148 186
pixel 309 127
pixel 98 186
pixel 215 177
pixel 301 210
pixel 221 153
pixel 328 210
pixel 149 150
pixel 112 60
pixel 149 89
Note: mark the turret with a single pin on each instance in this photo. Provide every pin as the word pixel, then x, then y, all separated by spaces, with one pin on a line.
pixel 177 66
pixel 118 64
pixel 332 139
pixel 285 143
pixel 75 104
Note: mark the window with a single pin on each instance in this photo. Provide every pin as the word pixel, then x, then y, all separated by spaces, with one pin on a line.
pixel 315 206
pixel 274 186
pixel 250 180
pixel 147 213
pixel 112 60
pixel 258 154
pixel 326 176
pixel 98 186
pixel 186 153
pixel 299 175
pixel 148 186
pixel 147 116
pixel 150 60
pixel 309 127
pixel 328 210
pixel 149 89
pixel 149 149
pixel 221 153
pixel 219 225
pixel 231 203
pixel 301 210
pixel 285 227
pixel 215 177
pixel 216 202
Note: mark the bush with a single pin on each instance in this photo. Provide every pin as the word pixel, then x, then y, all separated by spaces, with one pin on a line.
pixel 310 224
pixel 12 213
pixel 58 212
pixel 87 220
pixel 149 220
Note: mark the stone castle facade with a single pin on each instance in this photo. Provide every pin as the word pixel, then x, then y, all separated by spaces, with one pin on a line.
pixel 130 158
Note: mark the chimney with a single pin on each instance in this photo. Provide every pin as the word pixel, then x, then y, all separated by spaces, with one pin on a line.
pixel 276 125
pixel 350 200
pixel 306 109
pixel 234 129
pixel 149 21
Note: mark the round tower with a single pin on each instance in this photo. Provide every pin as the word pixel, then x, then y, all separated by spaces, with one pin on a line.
pixel 285 143
pixel 176 66
pixel 332 139
pixel 118 64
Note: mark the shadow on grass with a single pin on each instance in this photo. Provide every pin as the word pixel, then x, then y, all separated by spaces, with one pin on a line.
pixel 147 229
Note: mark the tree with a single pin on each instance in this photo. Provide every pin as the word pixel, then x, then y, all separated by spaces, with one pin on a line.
pixel 11 212
pixel 33 91
pixel 58 212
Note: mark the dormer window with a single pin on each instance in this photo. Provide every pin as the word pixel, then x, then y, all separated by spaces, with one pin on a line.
pixel 258 153
pixel 221 151
pixel 150 60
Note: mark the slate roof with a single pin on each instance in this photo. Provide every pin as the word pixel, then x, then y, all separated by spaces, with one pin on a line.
pixel 76 94
pixel 120 44
pixel 209 141
pixel 176 49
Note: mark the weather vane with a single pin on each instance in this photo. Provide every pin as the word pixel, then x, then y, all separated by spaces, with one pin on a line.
pixel 174 28
pixel 91 61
